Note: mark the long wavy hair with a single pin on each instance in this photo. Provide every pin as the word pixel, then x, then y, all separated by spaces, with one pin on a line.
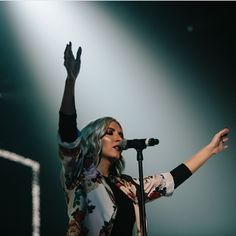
pixel 91 144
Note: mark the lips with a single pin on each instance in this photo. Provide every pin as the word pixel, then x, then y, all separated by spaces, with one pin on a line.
pixel 117 148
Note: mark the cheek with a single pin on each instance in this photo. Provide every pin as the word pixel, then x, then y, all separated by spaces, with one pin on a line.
pixel 106 141
pixel 105 144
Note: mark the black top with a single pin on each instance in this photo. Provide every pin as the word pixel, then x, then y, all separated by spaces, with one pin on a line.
pixel 125 217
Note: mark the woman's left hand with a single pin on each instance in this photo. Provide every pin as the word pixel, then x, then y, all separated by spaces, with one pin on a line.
pixel 219 141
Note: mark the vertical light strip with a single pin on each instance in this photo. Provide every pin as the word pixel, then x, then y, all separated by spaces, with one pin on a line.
pixel 35 166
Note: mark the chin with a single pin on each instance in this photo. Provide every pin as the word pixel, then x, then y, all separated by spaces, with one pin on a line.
pixel 116 158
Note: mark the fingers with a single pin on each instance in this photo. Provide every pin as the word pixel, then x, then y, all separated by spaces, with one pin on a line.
pixel 72 65
pixel 68 50
pixel 223 134
pixel 223 141
pixel 68 54
pixel 225 131
pixel 79 52
pixel 68 46
pixel 223 137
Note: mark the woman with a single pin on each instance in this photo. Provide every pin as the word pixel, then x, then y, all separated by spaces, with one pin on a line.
pixel 100 199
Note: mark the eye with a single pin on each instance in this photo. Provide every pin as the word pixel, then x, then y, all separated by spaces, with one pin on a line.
pixel 109 131
pixel 121 135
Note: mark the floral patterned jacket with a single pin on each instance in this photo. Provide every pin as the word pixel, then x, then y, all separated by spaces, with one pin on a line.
pixel 90 201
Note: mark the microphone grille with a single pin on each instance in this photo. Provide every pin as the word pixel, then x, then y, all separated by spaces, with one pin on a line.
pixel 153 141
pixel 123 144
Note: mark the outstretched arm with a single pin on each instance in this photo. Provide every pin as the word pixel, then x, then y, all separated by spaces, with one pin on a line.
pixel 72 66
pixel 217 145
pixel 186 169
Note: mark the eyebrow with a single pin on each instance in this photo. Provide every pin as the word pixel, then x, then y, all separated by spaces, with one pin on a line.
pixel 121 133
pixel 110 128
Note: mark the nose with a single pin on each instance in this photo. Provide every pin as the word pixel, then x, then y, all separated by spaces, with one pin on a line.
pixel 118 137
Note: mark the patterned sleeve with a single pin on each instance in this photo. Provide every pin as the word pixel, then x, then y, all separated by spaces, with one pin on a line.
pixel 71 165
pixel 156 186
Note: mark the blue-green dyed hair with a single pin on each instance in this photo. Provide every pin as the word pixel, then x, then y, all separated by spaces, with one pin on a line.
pixel 91 145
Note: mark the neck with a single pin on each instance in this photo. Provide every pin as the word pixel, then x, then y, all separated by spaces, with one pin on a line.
pixel 103 167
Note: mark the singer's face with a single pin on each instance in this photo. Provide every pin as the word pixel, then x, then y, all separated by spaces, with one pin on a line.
pixel 110 142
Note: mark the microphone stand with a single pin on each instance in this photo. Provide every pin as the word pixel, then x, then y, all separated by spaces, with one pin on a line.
pixel 139 145
pixel 141 192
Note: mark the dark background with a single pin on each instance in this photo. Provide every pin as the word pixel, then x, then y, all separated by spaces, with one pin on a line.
pixel 200 34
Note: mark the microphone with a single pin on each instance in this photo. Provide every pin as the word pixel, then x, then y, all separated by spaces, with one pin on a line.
pixel 137 143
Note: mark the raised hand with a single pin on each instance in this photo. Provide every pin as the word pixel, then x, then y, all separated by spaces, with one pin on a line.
pixel 71 63
pixel 219 141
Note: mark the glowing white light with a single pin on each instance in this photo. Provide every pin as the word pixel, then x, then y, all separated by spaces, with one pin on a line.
pixel 117 69
pixel 111 55
pixel 35 166
pixel 119 78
